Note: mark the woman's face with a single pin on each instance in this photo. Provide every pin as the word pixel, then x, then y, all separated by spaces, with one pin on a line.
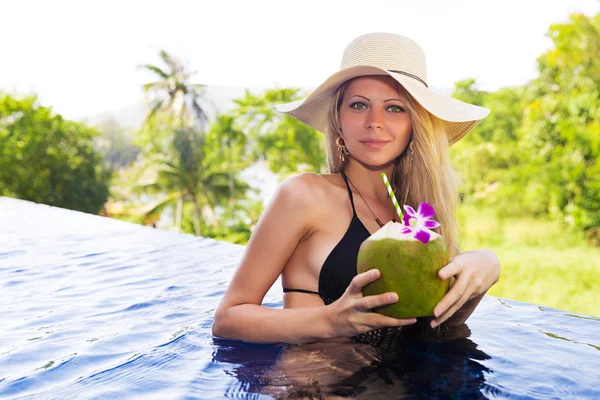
pixel 376 125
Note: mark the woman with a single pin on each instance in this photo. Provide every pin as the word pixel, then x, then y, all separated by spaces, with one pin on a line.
pixel 378 115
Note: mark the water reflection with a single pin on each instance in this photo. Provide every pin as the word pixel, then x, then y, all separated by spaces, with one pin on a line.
pixel 410 363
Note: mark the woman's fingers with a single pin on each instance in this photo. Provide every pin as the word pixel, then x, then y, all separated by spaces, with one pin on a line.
pixel 364 319
pixel 455 293
pixel 455 267
pixel 370 302
pixel 374 321
pixel 453 308
pixel 362 280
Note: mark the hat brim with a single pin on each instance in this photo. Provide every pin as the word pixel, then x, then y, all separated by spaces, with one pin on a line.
pixel 458 117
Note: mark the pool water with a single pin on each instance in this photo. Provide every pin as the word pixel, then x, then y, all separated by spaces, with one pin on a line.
pixel 97 308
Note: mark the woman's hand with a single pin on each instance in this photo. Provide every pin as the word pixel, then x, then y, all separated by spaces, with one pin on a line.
pixel 351 314
pixel 475 273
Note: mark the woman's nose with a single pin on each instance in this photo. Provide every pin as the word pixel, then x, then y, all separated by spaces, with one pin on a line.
pixel 375 119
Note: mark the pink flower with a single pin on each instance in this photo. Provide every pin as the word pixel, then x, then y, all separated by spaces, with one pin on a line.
pixel 418 223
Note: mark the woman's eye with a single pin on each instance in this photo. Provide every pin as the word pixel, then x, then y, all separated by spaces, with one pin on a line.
pixel 396 109
pixel 358 106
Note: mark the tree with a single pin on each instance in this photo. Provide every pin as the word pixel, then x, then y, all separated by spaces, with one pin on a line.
pixel 173 133
pixel 173 179
pixel 486 155
pixel 562 123
pixel 173 94
pixel 227 151
pixel 47 159
pixel 540 147
pixel 284 142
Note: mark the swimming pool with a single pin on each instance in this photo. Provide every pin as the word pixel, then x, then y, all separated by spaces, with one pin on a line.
pixel 98 308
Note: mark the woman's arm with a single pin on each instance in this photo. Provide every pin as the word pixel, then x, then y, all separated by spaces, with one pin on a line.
pixel 347 317
pixel 475 271
pixel 288 218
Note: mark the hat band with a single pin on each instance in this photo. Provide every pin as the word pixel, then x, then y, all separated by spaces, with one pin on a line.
pixel 410 76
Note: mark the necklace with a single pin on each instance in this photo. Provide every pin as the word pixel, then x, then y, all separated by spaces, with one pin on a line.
pixel 368 206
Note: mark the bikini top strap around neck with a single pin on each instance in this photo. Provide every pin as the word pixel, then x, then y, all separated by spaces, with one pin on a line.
pixel 349 193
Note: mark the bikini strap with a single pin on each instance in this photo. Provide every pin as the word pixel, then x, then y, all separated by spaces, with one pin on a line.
pixel 288 290
pixel 349 193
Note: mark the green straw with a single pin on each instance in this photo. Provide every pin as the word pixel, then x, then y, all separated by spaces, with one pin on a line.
pixel 391 193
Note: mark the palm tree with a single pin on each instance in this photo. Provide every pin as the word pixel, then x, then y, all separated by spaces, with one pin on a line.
pixel 173 94
pixel 175 177
pixel 226 149
pixel 176 108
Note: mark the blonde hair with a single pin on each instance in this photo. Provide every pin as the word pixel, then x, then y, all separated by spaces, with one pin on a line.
pixel 424 173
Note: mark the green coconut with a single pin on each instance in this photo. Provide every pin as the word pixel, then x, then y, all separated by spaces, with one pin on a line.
pixel 408 267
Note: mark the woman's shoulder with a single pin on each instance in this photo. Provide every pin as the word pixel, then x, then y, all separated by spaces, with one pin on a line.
pixel 311 183
pixel 308 187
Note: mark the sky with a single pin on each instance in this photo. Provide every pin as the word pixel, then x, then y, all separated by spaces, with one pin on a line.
pixel 83 57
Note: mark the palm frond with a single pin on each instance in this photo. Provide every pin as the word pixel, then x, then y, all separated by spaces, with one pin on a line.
pixel 156 106
pixel 159 85
pixel 156 70
pixel 166 57
pixel 161 204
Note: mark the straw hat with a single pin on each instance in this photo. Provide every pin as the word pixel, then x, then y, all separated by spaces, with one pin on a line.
pixel 402 59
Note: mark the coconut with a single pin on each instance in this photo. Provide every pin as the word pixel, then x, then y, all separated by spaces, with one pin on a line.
pixel 408 267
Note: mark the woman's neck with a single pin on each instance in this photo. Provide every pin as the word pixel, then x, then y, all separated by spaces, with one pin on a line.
pixel 368 180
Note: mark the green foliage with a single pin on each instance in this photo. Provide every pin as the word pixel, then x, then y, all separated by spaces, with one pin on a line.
pixel 115 143
pixel 47 159
pixel 226 153
pixel 184 167
pixel 538 152
pixel 173 136
pixel 288 145
pixel 542 262
pixel 562 122
pixel 190 169
pixel 488 157
pixel 235 224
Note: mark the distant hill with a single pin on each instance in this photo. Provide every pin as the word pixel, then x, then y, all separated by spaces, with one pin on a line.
pixel 219 98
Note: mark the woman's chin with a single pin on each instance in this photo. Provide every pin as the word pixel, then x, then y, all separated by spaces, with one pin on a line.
pixel 375 161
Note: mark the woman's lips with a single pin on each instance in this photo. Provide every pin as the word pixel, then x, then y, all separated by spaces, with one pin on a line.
pixel 374 144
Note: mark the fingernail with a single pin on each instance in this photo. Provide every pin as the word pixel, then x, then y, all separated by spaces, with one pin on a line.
pixel 392 297
pixel 434 324
pixel 437 313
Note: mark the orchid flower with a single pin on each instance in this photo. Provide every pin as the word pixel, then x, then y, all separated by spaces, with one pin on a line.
pixel 418 223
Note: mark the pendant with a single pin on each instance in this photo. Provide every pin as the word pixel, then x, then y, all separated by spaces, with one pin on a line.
pixel 379 222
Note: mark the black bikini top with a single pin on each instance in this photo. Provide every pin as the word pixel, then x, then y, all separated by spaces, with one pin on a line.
pixel 340 266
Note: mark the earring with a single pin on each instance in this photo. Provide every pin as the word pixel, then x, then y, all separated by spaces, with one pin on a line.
pixel 342 150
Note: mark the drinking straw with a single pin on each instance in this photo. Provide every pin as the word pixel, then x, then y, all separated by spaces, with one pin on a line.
pixel 391 193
